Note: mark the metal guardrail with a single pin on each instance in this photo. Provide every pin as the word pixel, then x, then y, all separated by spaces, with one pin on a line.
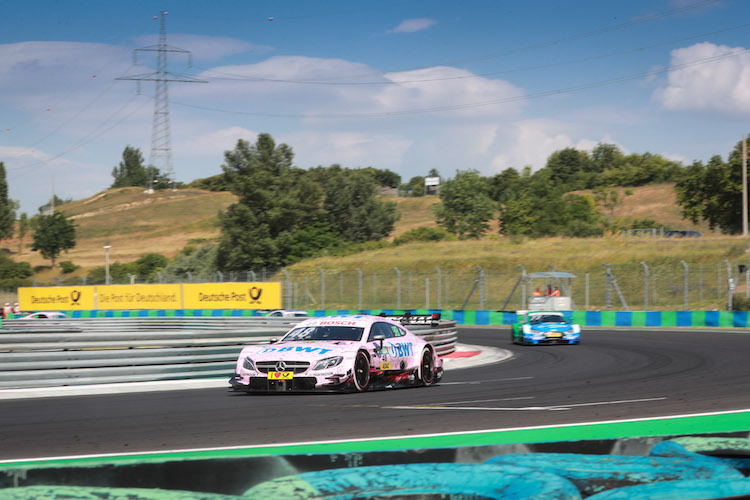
pixel 54 353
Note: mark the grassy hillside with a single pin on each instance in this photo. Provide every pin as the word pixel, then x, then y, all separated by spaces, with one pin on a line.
pixel 134 223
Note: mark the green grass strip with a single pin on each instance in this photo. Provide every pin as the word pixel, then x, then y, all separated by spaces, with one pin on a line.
pixel 667 426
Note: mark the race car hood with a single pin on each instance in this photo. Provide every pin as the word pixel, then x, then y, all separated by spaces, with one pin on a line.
pixel 299 350
pixel 551 327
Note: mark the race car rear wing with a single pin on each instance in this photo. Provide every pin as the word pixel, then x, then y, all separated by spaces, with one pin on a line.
pixel 432 319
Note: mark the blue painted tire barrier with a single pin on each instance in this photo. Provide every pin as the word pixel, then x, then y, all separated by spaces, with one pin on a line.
pixel 680 490
pixel 472 480
pixel 595 473
pixel 734 452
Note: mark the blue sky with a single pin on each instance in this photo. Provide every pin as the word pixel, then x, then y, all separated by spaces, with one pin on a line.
pixel 405 85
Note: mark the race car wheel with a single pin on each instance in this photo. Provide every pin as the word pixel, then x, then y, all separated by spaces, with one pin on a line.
pixel 427 368
pixel 361 372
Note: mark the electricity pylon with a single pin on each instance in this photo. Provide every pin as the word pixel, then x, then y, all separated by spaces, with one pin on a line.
pixel 161 136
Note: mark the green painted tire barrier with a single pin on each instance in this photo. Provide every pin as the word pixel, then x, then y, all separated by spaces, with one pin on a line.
pixel 472 480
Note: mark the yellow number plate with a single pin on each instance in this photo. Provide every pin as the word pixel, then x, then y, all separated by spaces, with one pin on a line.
pixel 385 366
pixel 280 375
pixel 554 335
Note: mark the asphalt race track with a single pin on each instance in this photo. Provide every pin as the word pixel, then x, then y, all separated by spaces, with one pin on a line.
pixel 610 376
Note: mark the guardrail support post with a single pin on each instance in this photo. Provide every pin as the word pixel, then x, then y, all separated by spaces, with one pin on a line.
pixel 645 286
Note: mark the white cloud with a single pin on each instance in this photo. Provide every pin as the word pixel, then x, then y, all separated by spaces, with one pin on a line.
pixel 215 143
pixel 443 87
pixel 531 142
pixel 719 86
pixel 349 149
pixel 413 25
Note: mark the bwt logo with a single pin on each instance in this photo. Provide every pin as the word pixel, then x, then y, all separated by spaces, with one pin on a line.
pixel 255 294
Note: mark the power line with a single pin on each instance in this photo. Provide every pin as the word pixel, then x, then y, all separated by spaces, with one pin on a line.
pixel 559 41
pixel 100 130
pixel 236 77
pixel 455 107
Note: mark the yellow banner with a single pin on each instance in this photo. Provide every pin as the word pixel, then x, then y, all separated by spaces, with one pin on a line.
pixel 232 295
pixel 139 297
pixel 56 298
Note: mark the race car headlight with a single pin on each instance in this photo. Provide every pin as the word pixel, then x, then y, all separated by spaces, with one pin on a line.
pixel 248 364
pixel 328 363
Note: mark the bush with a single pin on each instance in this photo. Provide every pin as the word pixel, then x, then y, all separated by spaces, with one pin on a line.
pixel 424 234
pixel 740 303
pixel 68 267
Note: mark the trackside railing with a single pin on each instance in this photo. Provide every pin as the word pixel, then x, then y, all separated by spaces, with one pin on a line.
pixel 55 353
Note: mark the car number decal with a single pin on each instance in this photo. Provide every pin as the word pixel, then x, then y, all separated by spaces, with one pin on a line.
pixel 280 375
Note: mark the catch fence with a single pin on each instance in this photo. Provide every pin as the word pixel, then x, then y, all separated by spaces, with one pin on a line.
pixel 636 286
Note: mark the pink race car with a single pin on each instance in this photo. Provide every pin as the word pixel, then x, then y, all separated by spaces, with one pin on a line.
pixel 340 353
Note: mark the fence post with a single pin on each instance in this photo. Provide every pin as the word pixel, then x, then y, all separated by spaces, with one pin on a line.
pixel 523 286
pixel 132 278
pixel 685 265
pixel 189 276
pixel 730 288
pixel 587 291
pixel 427 293
pixel 481 288
pixel 323 289
pixel 288 290
pixel 439 286
pixel 645 286
pixel 359 287
pixel 398 288
pixel 83 280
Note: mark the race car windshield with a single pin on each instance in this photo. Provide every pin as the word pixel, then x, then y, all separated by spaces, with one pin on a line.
pixel 325 333
pixel 547 318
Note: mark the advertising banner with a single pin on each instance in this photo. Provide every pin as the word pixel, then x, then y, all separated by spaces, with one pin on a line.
pixel 56 298
pixel 139 297
pixel 232 295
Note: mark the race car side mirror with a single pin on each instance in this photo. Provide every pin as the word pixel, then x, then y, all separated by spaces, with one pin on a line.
pixel 380 338
pixel 273 340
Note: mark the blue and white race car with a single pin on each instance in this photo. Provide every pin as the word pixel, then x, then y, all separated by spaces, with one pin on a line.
pixel 544 327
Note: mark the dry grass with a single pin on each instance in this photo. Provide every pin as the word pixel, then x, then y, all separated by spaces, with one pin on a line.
pixel 135 223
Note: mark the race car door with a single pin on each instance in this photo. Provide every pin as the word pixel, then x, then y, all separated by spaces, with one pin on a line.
pixel 396 352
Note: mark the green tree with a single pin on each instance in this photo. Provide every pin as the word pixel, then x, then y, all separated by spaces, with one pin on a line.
pixel 130 171
pixel 148 264
pixel 53 234
pixel 47 207
pixel 502 185
pixel 275 201
pixel 352 209
pixel 713 192
pixel 465 207
pixel 7 210
pixel 415 186
pixel 568 167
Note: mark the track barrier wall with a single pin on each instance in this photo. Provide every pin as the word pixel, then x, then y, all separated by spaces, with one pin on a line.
pixel 722 319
